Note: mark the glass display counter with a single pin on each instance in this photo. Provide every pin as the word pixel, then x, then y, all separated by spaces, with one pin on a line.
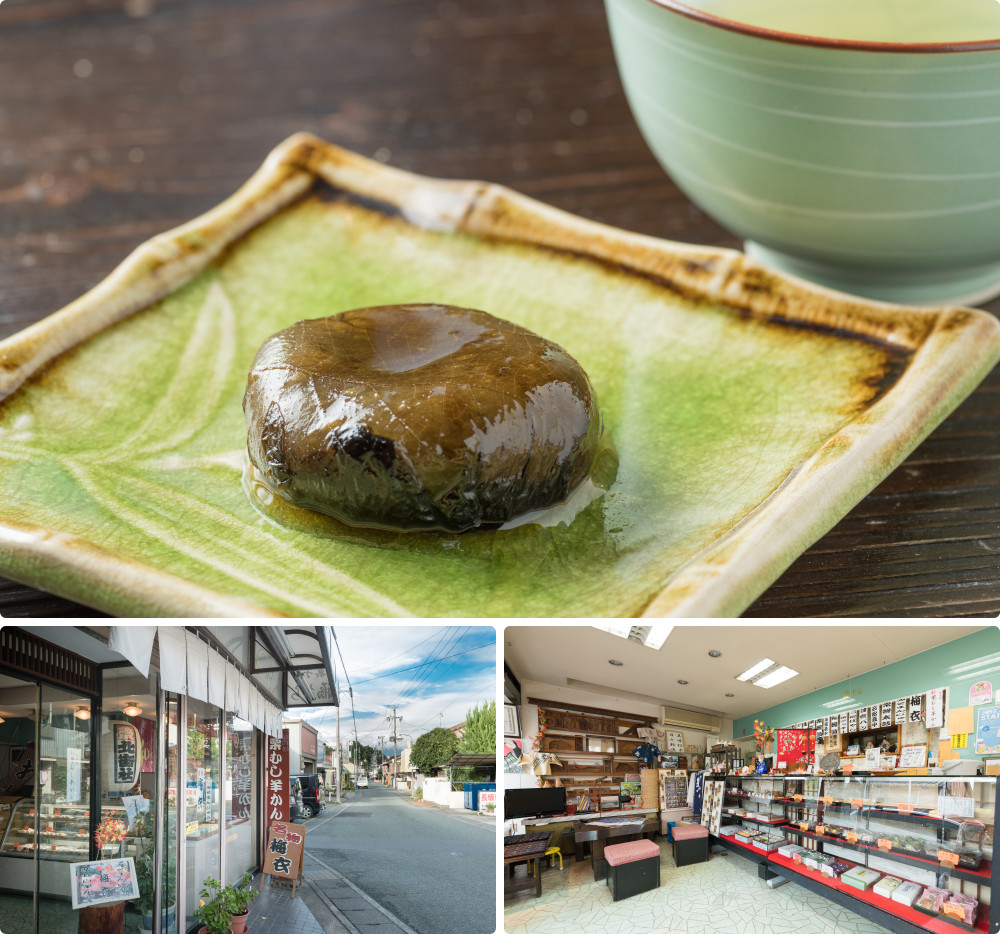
pixel 910 853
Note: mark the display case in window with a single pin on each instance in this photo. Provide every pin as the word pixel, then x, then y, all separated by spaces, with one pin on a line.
pixel 932 834
pixel 63 831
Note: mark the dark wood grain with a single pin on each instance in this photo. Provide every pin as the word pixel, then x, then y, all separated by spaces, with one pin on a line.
pixel 122 118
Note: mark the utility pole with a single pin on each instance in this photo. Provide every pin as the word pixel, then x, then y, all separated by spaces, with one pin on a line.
pixel 395 752
pixel 340 764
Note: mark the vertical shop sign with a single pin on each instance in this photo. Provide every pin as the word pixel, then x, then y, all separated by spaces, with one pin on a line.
pixel 125 765
pixel 899 714
pixel 862 719
pixel 914 708
pixel 873 717
pixel 935 708
pixel 242 773
pixel 147 731
pixel 278 788
pixel 844 720
pixel 74 764
pixel 834 725
pixel 886 714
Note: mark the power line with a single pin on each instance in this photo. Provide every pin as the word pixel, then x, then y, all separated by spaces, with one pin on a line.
pixel 398 671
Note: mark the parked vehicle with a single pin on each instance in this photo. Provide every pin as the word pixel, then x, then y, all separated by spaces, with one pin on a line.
pixel 362 781
pixel 312 793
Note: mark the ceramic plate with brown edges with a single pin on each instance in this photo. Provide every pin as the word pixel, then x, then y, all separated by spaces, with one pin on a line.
pixel 747 413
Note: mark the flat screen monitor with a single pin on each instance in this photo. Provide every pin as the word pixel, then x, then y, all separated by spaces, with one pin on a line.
pixel 533 802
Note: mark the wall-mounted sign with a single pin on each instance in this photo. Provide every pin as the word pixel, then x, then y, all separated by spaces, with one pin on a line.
pixel 987 731
pixel 844 723
pixel 241 769
pixel 103 881
pixel 935 708
pixel 863 719
pixel 278 788
pixel 885 714
pixel 487 802
pixel 74 768
pixel 914 708
pixel 899 710
pixel 283 853
pixel 122 756
pixel 980 693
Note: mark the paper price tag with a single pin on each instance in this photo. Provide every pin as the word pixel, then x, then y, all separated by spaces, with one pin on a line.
pixel 827 799
pixel 904 808
pixel 797 797
pixel 803 826
pixel 950 858
pixel 820 828
pixel 885 844
pixel 852 837
pixel 856 802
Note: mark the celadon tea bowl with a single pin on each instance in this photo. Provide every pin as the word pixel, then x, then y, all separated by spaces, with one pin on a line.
pixel 869 167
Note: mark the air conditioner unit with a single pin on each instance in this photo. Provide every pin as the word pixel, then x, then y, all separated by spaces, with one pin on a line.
pixel 690 719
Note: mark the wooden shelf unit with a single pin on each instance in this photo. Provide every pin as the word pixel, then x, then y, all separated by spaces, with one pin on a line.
pixel 573 732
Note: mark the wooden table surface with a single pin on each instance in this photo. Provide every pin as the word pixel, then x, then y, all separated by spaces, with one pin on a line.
pixel 123 118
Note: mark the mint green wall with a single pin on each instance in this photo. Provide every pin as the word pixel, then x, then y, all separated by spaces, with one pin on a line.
pixel 955 665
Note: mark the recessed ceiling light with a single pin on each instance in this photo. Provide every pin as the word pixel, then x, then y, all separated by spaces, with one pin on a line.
pixel 714 653
pixel 781 673
pixel 730 695
pixel 615 662
pixel 681 681
pixel 762 665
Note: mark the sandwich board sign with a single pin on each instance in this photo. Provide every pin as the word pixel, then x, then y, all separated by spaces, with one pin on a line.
pixel 283 854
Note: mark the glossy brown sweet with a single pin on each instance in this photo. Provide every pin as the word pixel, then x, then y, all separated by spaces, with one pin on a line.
pixel 419 417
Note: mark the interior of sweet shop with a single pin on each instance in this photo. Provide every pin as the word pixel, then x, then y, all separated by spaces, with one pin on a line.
pixel 789 777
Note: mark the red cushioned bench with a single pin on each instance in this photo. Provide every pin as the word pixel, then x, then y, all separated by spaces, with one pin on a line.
pixel 633 867
pixel 690 844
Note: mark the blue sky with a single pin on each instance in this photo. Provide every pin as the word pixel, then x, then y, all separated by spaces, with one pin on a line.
pixel 433 674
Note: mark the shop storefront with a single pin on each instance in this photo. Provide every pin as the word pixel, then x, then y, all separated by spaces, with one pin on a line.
pixel 163 728
pixel 853 769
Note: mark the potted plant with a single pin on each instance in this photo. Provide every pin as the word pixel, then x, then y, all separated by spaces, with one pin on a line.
pixel 213 909
pixel 241 896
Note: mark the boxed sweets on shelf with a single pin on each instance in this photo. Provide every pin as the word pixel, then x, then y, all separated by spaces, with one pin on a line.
pixel 861 878
pixel 907 893
pixel 886 886
pixel 728 830
pixel 932 900
pixel 790 849
pixel 961 908
pixel 816 860
pixel 769 841
pixel 835 868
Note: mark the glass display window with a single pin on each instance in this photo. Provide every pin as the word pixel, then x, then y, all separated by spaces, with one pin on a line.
pixel 240 797
pixel 202 799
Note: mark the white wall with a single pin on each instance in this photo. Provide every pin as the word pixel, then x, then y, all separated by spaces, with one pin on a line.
pixel 567 695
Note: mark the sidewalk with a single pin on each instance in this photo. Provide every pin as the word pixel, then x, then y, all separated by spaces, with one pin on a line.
pixel 328 903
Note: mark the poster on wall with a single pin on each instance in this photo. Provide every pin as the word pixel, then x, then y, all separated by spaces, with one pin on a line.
pixel 277 777
pixel 103 881
pixel 987 731
pixel 935 708
pixel 980 693
pixel 512 755
pixel 792 746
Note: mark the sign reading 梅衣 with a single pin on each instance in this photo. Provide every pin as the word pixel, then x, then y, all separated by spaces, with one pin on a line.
pixel 278 787
pixel 283 854
pixel 103 881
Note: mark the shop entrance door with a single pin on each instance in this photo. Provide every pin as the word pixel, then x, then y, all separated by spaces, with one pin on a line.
pixel 63 823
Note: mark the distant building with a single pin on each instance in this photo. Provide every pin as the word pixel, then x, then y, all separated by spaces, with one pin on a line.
pixel 302 746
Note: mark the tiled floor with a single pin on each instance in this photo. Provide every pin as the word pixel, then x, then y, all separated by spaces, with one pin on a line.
pixel 276 912
pixel 723 894
pixel 55 916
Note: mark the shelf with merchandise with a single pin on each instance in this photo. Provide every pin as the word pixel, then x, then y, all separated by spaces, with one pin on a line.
pixel 912 823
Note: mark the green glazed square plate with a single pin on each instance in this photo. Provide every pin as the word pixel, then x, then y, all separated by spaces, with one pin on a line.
pixel 749 412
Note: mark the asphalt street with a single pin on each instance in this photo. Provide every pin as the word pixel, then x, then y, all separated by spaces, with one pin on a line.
pixel 432 869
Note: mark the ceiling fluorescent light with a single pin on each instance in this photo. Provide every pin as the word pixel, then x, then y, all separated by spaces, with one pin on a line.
pixel 781 673
pixel 616 629
pixel 281 640
pixel 657 635
pixel 755 670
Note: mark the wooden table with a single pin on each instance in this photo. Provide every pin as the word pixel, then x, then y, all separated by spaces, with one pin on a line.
pixel 123 118
pixel 598 837
pixel 513 854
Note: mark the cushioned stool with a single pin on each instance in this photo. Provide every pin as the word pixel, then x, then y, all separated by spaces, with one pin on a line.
pixel 690 844
pixel 633 867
